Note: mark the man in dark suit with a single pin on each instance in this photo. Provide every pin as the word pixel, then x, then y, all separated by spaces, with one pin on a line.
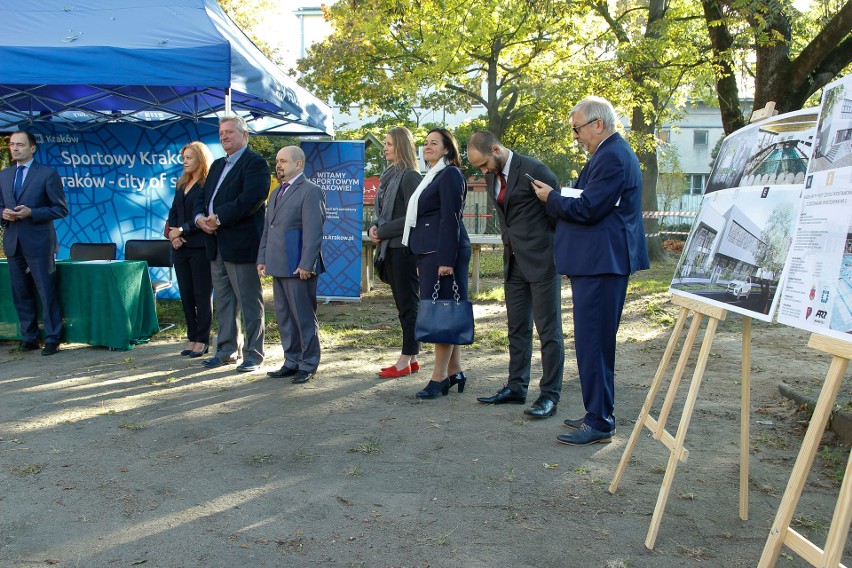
pixel 532 285
pixel 31 198
pixel 232 216
pixel 290 252
pixel 599 242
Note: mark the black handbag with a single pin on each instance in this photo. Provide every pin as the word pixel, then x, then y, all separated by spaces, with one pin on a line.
pixel 380 268
pixel 447 322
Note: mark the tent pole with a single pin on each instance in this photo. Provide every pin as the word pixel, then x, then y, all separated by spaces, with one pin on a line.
pixel 228 101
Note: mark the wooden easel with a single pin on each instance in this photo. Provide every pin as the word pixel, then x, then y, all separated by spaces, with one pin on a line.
pixel 675 443
pixel 781 533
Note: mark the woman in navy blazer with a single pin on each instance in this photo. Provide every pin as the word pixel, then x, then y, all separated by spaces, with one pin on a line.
pixel 189 256
pixel 440 241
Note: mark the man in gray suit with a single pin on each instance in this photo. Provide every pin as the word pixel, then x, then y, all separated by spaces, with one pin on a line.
pixel 291 252
pixel 532 286
pixel 31 198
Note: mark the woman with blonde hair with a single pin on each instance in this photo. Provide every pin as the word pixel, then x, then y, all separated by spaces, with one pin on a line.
pixel 398 266
pixel 189 257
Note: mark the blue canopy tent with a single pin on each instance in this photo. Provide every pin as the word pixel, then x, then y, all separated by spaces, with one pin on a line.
pixel 82 63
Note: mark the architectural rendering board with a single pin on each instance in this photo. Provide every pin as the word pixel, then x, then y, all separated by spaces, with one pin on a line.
pixel 817 291
pixel 737 247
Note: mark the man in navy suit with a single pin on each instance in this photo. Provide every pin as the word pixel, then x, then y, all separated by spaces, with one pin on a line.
pixel 232 215
pixel 532 285
pixel 291 252
pixel 599 242
pixel 31 198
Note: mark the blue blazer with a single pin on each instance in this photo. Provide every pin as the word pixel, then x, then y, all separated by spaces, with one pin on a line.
pixel 240 204
pixel 42 192
pixel 439 226
pixel 593 235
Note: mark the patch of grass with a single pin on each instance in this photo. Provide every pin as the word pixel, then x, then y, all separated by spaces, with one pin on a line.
pixel 834 460
pixel 495 294
pixel 354 471
pixel 132 426
pixel 656 312
pixel 27 469
pixel 361 335
pixel 304 456
pixel 769 441
pixel 616 563
pixel 371 446
pixel 491 339
pixel 261 459
pixel 510 475
pixel 808 524
pixel 653 281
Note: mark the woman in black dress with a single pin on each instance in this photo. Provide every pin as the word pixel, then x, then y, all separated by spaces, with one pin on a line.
pixel 192 267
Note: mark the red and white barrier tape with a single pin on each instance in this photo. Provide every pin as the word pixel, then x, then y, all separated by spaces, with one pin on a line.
pixel 653 214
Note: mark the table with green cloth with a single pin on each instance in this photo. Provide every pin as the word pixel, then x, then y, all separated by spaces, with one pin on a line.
pixel 106 303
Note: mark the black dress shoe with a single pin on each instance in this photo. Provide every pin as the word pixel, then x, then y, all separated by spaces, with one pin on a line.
pixel 302 377
pixel 26 346
pixel 503 396
pixel 50 349
pixel 542 408
pixel 282 372
pixel 197 354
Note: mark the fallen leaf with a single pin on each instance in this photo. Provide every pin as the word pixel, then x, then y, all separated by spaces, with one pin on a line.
pixel 550 465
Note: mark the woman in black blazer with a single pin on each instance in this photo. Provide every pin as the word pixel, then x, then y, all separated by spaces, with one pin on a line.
pixel 399 268
pixel 435 233
pixel 192 267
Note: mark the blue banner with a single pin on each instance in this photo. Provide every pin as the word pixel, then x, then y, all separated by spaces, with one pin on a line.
pixel 119 180
pixel 338 168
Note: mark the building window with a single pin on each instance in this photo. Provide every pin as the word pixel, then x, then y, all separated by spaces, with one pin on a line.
pixel 699 137
pixel 664 136
pixel 696 183
pixel 847 108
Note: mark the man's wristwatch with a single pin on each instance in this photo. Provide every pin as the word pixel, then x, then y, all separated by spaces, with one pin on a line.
pixel 180 229
pixel 218 222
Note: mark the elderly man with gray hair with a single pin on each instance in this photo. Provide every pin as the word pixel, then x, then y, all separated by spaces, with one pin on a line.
pixel 231 215
pixel 599 242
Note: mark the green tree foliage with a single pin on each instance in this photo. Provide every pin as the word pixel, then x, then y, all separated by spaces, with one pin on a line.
pixel 393 55
pixel 247 14
pixel 790 55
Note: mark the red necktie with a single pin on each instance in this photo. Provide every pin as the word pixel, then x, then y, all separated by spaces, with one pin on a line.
pixel 281 191
pixel 502 195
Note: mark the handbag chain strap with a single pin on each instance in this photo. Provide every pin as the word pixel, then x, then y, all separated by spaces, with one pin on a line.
pixel 456 296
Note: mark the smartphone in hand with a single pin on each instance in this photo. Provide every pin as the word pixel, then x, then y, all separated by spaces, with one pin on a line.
pixel 529 177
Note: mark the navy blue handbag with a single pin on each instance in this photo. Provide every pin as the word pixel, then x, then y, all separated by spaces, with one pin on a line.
pixel 447 322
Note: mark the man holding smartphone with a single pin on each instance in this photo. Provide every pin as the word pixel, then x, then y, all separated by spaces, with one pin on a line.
pixel 532 285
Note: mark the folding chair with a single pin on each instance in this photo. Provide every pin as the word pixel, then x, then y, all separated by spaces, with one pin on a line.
pixel 158 254
pixel 93 251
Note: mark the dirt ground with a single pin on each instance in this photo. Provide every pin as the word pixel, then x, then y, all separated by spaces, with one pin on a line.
pixel 112 459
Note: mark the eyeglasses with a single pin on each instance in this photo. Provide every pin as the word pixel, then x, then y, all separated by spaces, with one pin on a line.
pixel 576 129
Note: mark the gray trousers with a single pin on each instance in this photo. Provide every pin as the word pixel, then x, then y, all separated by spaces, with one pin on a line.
pixel 238 291
pixel 539 302
pixel 296 310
